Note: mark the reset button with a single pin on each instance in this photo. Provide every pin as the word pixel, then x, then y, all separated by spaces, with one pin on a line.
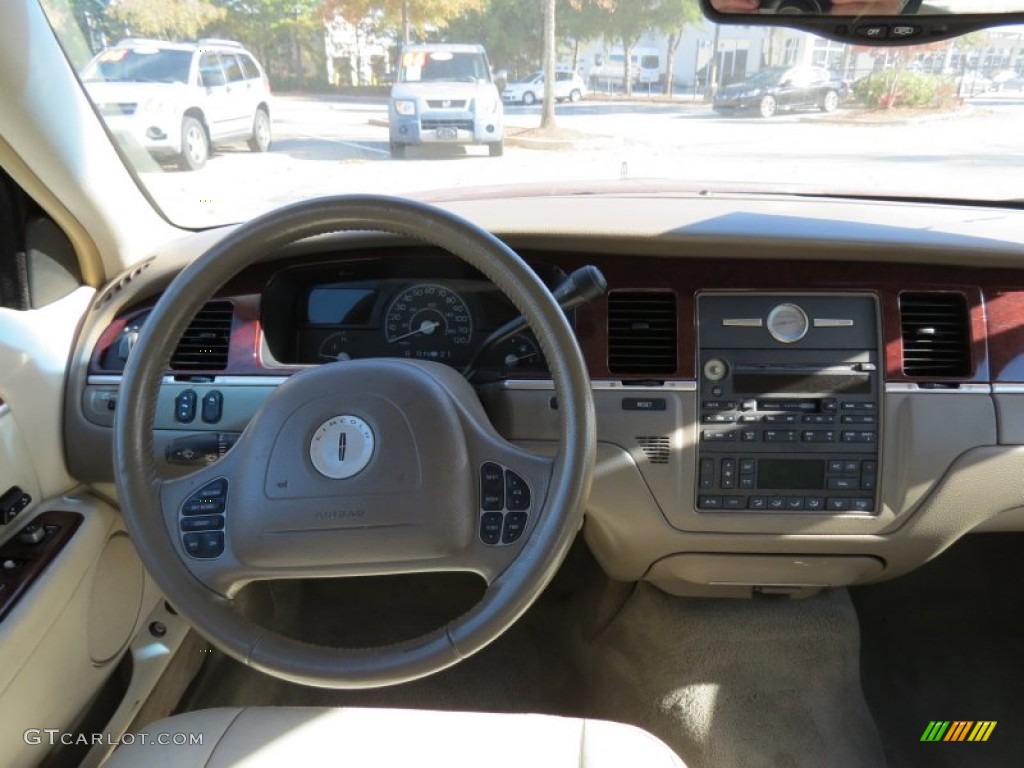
pixel 644 404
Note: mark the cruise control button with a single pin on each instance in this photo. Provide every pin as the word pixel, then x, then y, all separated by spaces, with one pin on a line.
pixel 492 486
pixel 207 545
pixel 490 527
pixel 515 524
pixel 202 523
pixel 202 506
pixel 517 492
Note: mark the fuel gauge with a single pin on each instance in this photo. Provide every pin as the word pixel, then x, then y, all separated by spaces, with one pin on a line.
pixel 334 347
pixel 521 353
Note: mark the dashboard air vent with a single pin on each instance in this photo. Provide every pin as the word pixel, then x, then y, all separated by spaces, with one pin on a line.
pixel 936 335
pixel 656 448
pixel 204 345
pixel 642 332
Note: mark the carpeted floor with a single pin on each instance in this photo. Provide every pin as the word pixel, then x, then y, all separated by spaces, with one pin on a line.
pixel 946 642
pixel 727 684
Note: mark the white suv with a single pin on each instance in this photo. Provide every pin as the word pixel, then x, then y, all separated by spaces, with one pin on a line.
pixel 445 95
pixel 177 99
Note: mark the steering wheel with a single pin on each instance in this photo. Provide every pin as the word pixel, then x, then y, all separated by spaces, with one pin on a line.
pixel 362 467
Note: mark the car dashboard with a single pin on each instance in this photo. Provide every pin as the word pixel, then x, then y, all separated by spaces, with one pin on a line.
pixel 784 402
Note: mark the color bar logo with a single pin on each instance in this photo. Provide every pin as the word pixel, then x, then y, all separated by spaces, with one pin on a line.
pixel 958 730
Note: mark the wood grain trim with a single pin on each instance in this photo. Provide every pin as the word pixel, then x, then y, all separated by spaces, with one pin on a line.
pixel 34 558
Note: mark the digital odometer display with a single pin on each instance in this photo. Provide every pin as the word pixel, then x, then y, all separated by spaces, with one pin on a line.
pixel 429 322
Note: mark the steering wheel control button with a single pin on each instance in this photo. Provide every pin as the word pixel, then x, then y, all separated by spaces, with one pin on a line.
pixel 490 527
pixel 788 323
pixel 517 492
pixel 204 546
pixel 185 406
pixel 213 406
pixel 341 447
pixel 210 499
pixel 515 524
pixel 202 523
pixel 492 487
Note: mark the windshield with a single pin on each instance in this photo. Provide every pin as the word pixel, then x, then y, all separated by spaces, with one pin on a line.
pixel 143 64
pixel 324 97
pixel 442 66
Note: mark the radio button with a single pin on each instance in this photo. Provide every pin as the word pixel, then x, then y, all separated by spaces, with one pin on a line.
pixel 747 482
pixel 786 418
pixel 868 482
pixel 735 502
pixel 820 418
pixel 860 419
pixel 749 435
pixel 719 418
pixel 829 405
pixel 757 502
pixel 707 473
pixel 838 504
pixel 718 436
pixel 748 418
pixel 747 466
pixel 794 502
pixel 851 467
pixel 719 405
pixel 780 436
pixel 819 436
pixel 859 406
pixel 836 465
pixel 868 467
pixel 842 484
pixel 728 477
pixel 776 502
pixel 814 503
pixel 709 502
pixel 858 437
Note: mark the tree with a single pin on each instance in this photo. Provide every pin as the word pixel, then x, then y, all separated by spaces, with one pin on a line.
pixel 166 19
pixel 673 18
pixel 508 29
pixel 624 21
pixel 287 36
pixel 547 119
pixel 406 15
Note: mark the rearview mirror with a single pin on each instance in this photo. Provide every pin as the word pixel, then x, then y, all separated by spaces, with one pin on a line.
pixel 870 22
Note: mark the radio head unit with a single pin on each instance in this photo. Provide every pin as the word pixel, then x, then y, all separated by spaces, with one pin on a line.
pixel 790 400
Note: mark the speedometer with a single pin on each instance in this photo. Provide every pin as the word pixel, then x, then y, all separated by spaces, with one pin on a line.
pixel 429 322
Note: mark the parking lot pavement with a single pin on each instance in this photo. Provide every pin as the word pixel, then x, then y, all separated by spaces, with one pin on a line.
pixel 332 146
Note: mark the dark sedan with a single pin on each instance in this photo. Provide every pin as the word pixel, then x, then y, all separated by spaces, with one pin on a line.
pixel 781 89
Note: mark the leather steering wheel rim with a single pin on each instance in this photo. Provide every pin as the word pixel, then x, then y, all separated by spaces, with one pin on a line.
pixel 507 596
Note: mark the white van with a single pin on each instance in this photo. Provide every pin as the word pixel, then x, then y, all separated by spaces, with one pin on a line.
pixel 610 69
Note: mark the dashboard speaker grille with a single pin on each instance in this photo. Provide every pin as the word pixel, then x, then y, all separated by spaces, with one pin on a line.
pixel 657 449
pixel 936 333
pixel 204 345
pixel 642 332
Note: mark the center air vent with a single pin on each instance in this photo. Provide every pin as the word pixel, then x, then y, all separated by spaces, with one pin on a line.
pixel 204 345
pixel 936 335
pixel 642 332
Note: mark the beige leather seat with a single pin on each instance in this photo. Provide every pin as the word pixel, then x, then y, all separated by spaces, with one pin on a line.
pixel 310 737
